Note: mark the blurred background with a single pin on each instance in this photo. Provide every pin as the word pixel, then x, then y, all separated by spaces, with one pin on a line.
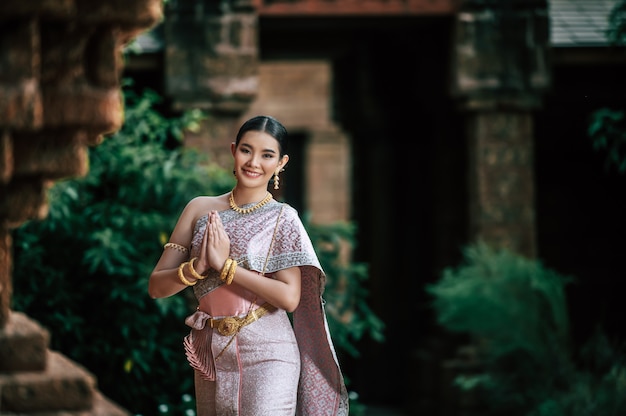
pixel 460 163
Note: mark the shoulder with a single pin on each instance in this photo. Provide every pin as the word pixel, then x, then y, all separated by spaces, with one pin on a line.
pixel 289 213
pixel 292 236
pixel 201 205
pixel 291 221
pixel 288 209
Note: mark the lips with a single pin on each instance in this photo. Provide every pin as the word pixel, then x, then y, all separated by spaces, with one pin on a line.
pixel 252 174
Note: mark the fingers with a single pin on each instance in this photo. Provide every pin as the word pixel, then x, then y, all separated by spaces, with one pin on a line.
pixel 202 262
pixel 203 246
pixel 218 242
pixel 216 228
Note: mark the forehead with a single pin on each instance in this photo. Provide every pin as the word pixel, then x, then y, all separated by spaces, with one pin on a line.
pixel 259 140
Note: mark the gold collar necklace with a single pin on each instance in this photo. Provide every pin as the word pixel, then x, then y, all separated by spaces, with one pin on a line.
pixel 258 205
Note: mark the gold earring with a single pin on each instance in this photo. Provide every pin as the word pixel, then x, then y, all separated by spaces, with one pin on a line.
pixel 276 180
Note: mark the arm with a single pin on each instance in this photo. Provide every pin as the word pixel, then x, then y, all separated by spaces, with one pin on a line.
pixel 283 291
pixel 164 280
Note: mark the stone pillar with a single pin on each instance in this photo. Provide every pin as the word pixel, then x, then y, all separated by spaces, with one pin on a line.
pixel 211 55
pixel 327 164
pixel 500 69
pixel 5 274
pixel 60 63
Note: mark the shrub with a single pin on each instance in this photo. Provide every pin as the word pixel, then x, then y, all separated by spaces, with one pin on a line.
pixel 515 311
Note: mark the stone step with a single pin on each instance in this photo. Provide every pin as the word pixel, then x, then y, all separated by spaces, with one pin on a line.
pixel 23 344
pixel 102 407
pixel 64 385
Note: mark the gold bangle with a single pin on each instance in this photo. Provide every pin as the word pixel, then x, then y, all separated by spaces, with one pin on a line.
pixel 231 272
pixel 176 247
pixel 225 269
pixel 193 271
pixel 181 275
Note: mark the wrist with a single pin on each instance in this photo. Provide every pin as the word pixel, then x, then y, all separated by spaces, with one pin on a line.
pixel 193 270
pixel 227 274
pixel 225 268
pixel 184 279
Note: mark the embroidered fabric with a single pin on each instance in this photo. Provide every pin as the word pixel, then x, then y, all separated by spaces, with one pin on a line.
pixel 320 389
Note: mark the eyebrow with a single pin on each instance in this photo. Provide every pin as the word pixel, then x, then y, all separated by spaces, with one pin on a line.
pixel 270 150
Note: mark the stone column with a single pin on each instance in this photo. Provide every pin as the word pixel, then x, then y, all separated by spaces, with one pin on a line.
pixel 60 63
pixel 327 172
pixel 59 92
pixel 211 63
pixel 500 69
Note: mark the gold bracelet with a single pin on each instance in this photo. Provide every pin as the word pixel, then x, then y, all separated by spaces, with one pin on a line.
pixel 231 272
pixel 193 271
pixel 176 247
pixel 181 275
pixel 225 269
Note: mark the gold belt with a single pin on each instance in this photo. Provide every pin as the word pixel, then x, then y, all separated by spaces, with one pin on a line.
pixel 232 324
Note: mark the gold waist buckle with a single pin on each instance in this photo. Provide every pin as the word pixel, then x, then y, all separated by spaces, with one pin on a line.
pixel 232 324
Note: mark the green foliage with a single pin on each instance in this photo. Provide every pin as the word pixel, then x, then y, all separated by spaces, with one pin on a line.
pixel 495 290
pixel 349 315
pixel 607 127
pixel 607 130
pixel 83 271
pixel 516 312
pixel 617 24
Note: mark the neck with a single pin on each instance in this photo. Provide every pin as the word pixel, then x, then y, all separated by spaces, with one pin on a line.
pixel 237 207
pixel 243 196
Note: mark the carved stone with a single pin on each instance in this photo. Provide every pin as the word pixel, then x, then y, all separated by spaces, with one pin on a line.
pixel 211 55
pixel 60 63
pixel 500 70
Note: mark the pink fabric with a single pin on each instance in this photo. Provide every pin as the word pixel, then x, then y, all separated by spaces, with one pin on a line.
pixel 257 375
pixel 271 367
pixel 198 346
pixel 230 300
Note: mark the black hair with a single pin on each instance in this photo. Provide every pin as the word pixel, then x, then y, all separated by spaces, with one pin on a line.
pixel 269 125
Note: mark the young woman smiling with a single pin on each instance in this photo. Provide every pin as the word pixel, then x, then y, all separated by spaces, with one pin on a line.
pixel 250 262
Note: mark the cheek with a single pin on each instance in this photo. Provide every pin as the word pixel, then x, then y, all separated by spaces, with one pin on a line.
pixel 270 166
pixel 240 158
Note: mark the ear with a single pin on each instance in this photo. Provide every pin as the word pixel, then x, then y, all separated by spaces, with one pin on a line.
pixel 232 148
pixel 283 162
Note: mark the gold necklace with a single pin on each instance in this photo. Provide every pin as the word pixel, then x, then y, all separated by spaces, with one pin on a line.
pixel 258 205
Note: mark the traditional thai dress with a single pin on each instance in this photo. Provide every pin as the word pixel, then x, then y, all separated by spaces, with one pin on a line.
pixel 274 365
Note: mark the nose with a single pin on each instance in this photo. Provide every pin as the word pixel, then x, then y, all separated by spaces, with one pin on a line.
pixel 255 160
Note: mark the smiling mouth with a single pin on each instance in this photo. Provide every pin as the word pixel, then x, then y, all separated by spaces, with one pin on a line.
pixel 255 174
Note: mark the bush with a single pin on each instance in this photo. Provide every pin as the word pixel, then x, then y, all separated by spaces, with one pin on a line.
pixel 515 311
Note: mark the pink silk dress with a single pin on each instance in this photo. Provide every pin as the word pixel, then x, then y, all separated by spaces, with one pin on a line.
pixel 273 366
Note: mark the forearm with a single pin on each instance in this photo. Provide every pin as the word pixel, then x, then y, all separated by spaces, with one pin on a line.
pixel 283 292
pixel 165 283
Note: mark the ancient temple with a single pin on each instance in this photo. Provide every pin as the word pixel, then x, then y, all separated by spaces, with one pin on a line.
pixel 430 123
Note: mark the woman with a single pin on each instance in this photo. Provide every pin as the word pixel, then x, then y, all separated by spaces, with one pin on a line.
pixel 250 261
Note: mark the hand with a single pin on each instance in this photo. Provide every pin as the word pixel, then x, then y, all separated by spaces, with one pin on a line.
pixel 216 243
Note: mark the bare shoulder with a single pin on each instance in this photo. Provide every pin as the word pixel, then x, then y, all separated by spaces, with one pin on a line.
pixel 201 205
pixel 195 209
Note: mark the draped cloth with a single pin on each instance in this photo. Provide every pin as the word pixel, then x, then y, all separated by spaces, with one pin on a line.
pixel 273 366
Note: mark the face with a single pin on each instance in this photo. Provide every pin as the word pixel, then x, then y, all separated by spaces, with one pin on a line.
pixel 257 158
